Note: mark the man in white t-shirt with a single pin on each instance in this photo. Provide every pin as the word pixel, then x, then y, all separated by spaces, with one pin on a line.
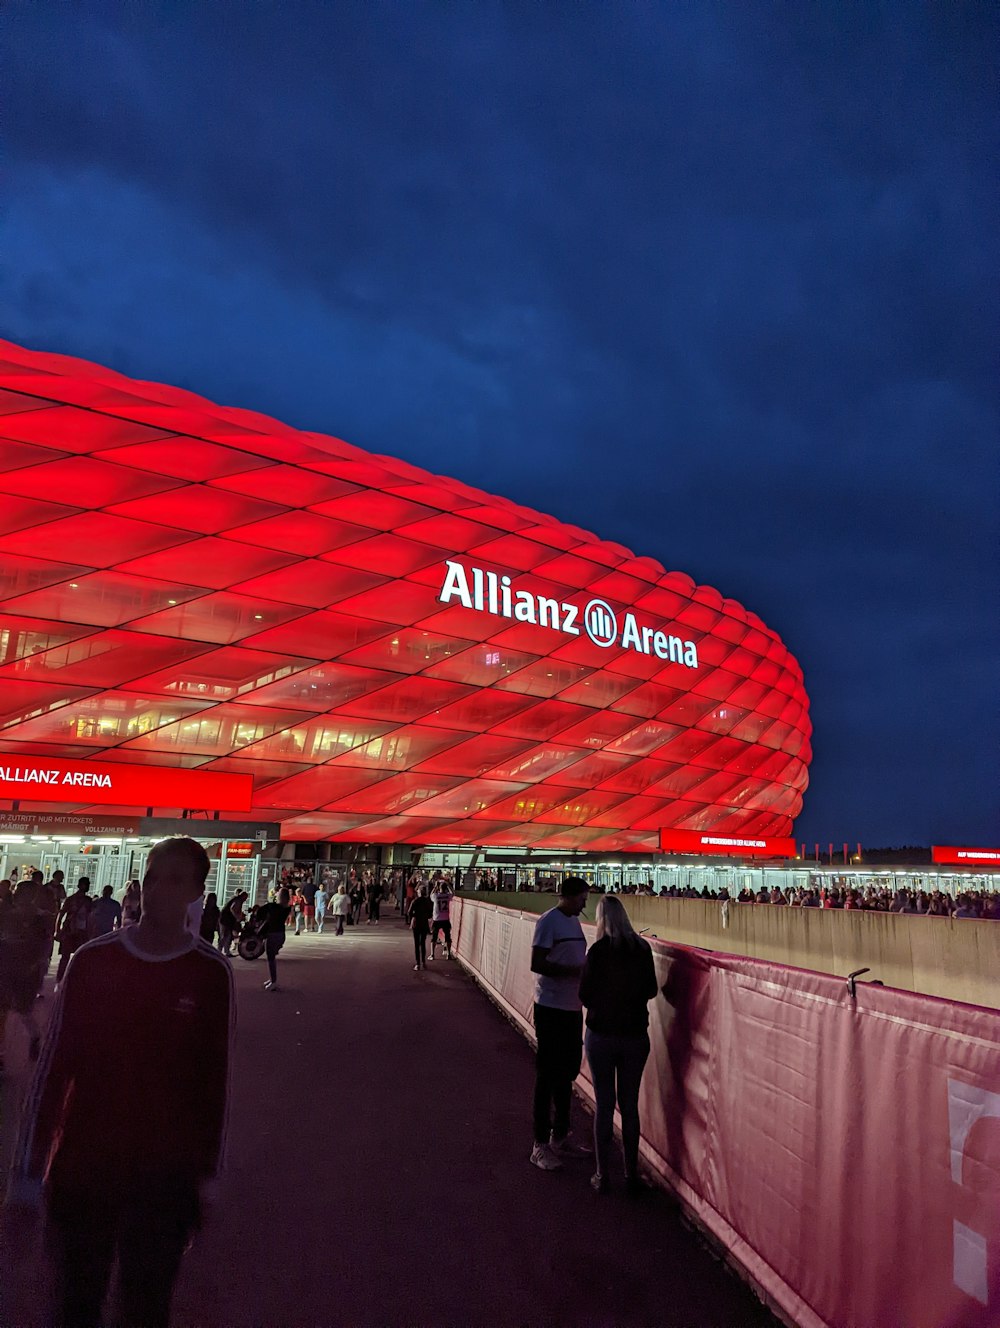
pixel 558 951
pixel 441 897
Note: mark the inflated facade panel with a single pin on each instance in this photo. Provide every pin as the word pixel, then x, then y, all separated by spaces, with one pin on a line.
pixel 394 656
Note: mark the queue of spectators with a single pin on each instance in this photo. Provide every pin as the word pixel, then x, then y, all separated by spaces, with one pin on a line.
pixel 981 904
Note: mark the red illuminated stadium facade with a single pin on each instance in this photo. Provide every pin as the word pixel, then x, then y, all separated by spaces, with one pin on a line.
pixel 393 657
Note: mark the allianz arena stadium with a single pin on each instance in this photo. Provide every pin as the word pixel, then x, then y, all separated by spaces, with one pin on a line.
pixel 382 655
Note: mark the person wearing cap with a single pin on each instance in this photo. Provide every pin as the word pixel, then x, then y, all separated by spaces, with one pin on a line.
pixel 558 951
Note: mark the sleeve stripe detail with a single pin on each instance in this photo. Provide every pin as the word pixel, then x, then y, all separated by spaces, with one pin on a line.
pixel 21 1165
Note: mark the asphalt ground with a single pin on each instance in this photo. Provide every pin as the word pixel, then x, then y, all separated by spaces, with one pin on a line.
pixel 378 1171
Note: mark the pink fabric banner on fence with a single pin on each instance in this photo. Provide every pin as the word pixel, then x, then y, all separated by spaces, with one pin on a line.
pixel 846 1151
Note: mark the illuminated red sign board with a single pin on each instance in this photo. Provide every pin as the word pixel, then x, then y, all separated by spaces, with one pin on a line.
pixel 965 857
pixel 38 779
pixel 241 849
pixel 725 846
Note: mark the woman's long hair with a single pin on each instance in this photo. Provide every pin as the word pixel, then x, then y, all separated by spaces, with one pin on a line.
pixel 613 922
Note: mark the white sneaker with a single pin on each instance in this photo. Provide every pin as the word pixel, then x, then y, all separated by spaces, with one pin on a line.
pixel 270 986
pixel 543 1157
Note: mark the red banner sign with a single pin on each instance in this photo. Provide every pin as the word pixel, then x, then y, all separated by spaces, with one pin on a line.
pixel 725 846
pixel 39 779
pixel 965 857
pixel 781 1109
pixel 65 823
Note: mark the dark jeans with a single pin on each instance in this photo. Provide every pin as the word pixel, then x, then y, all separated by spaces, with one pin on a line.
pixel 148 1228
pixel 340 924
pixel 68 947
pixel 374 907
pixel 420 947
pixel 557 1063
pixel 442 925
pixel 273 942
pixel 623 1058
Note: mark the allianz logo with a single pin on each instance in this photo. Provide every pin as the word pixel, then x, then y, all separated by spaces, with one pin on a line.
pixel 492 592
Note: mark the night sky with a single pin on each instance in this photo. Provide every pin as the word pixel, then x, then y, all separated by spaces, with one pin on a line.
pixel 713 280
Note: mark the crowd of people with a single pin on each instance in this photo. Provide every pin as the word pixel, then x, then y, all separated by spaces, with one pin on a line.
pixel 881 898
pixel 298 905
pixel 37 914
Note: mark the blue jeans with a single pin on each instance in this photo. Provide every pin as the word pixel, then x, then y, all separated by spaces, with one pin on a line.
pixel 610 1057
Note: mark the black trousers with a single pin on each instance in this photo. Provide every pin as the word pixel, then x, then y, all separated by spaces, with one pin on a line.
pixel 420 947
pixel 273 942
pixel 146 1227
pixel 557 1063
pixel 68 947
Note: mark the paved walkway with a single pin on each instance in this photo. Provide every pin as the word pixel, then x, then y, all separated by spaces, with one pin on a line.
pixel 378 1171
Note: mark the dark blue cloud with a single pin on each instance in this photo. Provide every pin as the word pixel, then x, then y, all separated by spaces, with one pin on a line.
pixel 711 280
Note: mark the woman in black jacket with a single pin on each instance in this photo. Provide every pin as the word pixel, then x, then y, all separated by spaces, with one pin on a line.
pixel 270 923
pixel 618 982
pixel 420 924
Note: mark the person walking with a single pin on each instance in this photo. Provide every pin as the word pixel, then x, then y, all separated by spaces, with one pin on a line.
pixel 51 897
pixel 341 907
pixel 209 925
pixel 441 897
pixel 298 903
pixel 319 906
pixel 558 951
pixel 106 914
pixel 132 904
pixel 409 894
pixel 231 922
pixel 420 923
pixel 123 1129
pixel 272 921
pixel 73 926
pixel 357 895
pixel 618 982
pixel 24 940
pixel 374 893
pixel 308 892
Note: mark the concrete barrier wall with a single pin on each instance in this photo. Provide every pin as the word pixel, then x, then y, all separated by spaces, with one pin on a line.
pixel 958 959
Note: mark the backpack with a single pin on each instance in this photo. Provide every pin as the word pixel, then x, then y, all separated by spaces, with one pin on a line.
pixel 76 919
